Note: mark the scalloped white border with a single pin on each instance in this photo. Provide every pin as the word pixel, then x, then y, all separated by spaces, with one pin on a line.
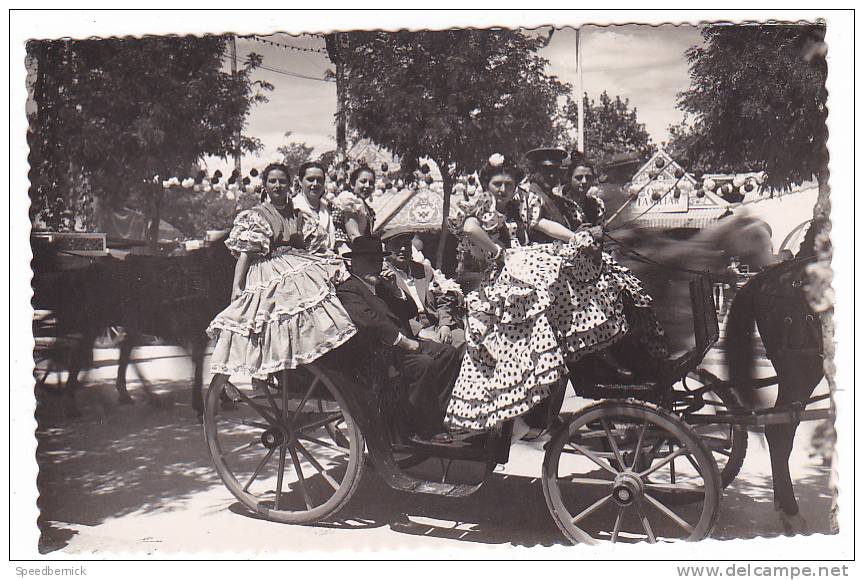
pixel 81 24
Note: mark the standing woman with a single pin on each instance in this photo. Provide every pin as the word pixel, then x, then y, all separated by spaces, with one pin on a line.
pixel 352 214
pixel 284 311
pixel 318 227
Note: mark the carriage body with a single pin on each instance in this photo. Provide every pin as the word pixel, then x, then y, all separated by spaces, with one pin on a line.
pixel 323 421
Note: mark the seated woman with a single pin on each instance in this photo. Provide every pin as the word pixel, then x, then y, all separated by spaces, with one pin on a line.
pixel 284 310
pixel 547 300
pixel 352 214
pixel 645 348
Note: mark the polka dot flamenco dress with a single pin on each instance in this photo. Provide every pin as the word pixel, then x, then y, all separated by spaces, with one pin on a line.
pixel 551 304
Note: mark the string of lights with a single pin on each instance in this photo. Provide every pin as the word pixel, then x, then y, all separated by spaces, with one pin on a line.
pixel 285 46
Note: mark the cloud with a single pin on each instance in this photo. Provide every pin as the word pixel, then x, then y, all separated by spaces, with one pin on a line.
pixel 645 64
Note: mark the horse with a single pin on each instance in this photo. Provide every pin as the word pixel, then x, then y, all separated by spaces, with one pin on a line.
pixel 174 298
pixel 773 299
pixel 791 332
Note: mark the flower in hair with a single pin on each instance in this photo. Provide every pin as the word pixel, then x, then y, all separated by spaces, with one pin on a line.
pixel 496 160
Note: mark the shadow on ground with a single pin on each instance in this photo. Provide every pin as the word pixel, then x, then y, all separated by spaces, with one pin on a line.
pixel 123 460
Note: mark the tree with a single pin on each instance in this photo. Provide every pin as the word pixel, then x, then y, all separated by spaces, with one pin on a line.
pixel 294 154
pixel 757 97
pixel 113 113
pixel 455 96
pixel 611 128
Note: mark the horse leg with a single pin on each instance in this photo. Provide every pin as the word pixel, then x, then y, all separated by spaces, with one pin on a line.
pixel 152 398
pixel 796 385
pixel 126 346
pixel 81 358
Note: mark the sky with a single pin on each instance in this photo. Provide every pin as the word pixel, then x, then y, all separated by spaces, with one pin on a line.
pixel 644 64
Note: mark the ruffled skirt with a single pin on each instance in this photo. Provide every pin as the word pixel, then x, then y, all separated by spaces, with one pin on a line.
pixel 287 316
pixel 549 306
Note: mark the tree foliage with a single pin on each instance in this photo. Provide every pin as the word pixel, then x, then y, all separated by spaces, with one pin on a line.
pixel 294 154
pixel 455 96
pixel 757 98
pixel 113 113
pixel 611 127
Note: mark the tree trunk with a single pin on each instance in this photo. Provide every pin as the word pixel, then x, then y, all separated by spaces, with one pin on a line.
pixel 155 193
pixel 447 180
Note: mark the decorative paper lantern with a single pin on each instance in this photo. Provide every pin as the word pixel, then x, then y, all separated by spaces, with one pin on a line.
pixel 199 177
pixel 253 173
pixel 738 180
pixel 656 196
pixel 748 187
pixel 188 183
pixel 679 173
pixel 384 168
pixel 219 187
pixel 685 187
pixel 166 184
pixel 660 163
pixel 207 189
pixel 400 183
pixel 425 168
pixel 472 189
pixel 728 188
pixel 230 196
pixel 700 193
pixel 708 184
pixel 196 188
pixel 652 173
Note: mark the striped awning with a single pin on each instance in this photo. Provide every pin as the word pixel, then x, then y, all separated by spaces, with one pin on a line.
pixel 693 219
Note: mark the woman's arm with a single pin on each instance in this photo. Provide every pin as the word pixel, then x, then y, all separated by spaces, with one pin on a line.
pixel 240 271
pixel 478 235
pixel 554 230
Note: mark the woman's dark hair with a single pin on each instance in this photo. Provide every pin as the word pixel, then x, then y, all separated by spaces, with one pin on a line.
pixel 352 179
pixel 507 168
pixel 266 173
pixel 578 159
pixel 301 173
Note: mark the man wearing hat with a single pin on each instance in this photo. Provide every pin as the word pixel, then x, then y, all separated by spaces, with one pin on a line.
pixel 435 320
pixel 428 369
pixel 545 165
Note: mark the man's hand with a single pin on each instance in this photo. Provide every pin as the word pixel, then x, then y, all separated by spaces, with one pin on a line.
pixel 445 335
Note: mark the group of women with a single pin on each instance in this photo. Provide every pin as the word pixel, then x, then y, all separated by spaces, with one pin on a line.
pixel 541 295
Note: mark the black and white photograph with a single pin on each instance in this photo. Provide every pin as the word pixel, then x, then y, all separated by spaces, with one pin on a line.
pixel 466 290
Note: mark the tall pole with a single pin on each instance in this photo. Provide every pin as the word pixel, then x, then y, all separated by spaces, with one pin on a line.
pixel 580 104
pixel 233 48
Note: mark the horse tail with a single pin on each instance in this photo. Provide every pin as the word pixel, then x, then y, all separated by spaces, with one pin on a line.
pixel 740 325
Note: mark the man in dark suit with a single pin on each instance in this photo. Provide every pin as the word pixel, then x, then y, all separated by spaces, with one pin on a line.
pixel 382 316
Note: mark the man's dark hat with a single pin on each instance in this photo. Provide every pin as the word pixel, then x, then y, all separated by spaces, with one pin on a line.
pixel 546 156
pixel 364 246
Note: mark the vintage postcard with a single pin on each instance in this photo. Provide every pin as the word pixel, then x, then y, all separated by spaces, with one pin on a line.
pixel 431 286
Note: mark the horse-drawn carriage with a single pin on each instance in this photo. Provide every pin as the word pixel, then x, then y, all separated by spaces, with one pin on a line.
pixel 645 461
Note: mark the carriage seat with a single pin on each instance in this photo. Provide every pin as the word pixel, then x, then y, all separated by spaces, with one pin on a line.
pixel 706 330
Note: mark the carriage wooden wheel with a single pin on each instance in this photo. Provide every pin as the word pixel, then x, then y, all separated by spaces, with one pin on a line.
pixel 613 471
pixel 291 455
pixel 726 441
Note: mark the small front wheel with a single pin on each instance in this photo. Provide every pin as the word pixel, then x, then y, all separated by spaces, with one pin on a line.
pixel 290 455
pixel 613 471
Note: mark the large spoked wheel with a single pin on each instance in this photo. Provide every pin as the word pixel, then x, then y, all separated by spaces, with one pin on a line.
pixel 610 472
pixel 291 455
pixel 727 442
